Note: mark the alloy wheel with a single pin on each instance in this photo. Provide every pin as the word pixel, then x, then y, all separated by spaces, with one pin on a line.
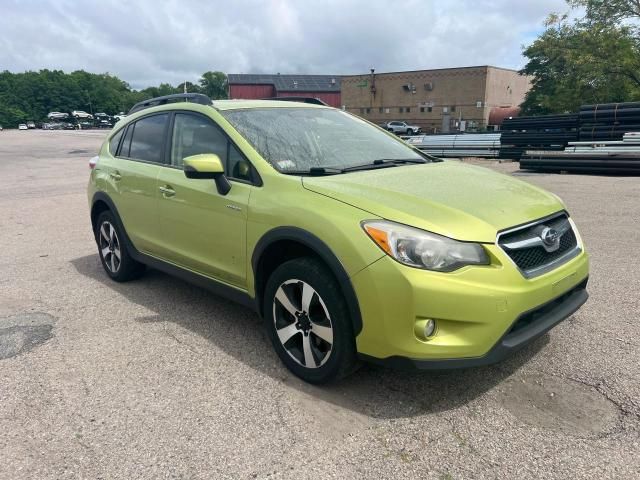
pixel 109 245
pixel 302 323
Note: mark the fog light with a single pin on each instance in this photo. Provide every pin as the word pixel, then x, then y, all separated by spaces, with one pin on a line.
pixel 425 328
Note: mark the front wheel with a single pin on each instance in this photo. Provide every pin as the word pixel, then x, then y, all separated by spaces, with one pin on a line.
pixel 308 321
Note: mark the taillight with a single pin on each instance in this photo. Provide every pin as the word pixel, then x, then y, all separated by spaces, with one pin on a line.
pixel 93 162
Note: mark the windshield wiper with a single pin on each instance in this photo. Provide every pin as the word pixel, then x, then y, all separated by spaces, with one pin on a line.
pixel 384 163
pixel 379 163
pixel 315 171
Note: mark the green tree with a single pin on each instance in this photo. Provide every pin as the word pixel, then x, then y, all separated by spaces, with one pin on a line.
pixel 587 60
pixel 214 85
pixel 608 11
pixel 31 95
pixel 191 87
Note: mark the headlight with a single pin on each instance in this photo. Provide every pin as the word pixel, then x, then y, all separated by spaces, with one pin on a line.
pixel 422 249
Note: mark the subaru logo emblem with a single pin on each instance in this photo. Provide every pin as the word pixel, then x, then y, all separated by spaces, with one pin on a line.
pixel 549 236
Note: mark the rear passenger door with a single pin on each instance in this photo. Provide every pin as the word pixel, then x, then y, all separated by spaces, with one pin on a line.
pixel 133 177
pixel 203 230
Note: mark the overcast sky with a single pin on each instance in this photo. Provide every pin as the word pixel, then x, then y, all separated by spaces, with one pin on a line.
pixel 146 42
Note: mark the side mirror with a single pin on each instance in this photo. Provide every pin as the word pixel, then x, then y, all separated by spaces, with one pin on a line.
pixel 206 166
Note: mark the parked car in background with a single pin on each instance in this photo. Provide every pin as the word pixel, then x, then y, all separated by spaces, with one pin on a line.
pixel 81 114
pixel 23 126
pixel 31 125
pixel 401 128
pixel 68 126
pixel 351 244
pixel 57 115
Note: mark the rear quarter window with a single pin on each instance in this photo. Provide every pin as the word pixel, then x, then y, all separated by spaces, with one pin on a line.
pixel 115 141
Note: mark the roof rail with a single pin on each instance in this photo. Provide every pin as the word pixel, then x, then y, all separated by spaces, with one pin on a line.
pixel 186 97
pixel 313 100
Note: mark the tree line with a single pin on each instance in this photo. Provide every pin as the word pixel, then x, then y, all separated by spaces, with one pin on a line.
pixel 588 55
pixel 32 95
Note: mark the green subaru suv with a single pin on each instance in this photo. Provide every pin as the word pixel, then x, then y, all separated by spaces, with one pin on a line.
pixel 351 244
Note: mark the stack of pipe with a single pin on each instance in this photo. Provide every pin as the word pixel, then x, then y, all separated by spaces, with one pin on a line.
pixel 484 145
pixel 608 121
pixel 547 132
pixel 619 156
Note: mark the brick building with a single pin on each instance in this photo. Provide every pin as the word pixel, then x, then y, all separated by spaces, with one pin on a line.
pixel 441 100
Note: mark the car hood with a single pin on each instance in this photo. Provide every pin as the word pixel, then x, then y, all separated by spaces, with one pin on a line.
pixel 450 198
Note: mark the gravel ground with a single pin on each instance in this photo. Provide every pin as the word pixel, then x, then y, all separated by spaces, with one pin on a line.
pixel 159 379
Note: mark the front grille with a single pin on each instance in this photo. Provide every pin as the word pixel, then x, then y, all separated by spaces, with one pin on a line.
pixel 529 252
pixel 534 257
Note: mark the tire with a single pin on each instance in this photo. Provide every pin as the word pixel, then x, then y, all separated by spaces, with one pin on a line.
pixel 409 132
pixel 317 343
pixel 115 257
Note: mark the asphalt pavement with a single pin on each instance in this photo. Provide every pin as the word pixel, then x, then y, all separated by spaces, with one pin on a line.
pixel 160 379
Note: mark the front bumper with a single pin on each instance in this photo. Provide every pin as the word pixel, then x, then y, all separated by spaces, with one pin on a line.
pixel 526 328
pixel 476 310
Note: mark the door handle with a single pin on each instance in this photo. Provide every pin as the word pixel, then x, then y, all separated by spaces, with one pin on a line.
pixel 115 175
pixel 167 191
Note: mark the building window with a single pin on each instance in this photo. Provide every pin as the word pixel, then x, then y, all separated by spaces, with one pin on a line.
pixel 404 109
pixel 367 110
pixel 387 110
pixel 453 108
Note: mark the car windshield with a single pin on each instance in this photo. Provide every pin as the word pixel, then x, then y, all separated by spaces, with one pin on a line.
pixel 301 139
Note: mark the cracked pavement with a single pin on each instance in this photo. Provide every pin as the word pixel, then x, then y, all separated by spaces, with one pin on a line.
pixel 159 379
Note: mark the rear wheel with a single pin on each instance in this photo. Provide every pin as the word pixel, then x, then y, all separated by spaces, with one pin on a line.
pixel 308 321
pixel 113 252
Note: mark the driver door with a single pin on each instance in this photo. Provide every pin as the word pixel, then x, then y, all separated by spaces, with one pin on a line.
pixel 203 230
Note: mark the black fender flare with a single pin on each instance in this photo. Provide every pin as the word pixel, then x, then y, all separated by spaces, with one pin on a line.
pixel 324 252
pixel 103 197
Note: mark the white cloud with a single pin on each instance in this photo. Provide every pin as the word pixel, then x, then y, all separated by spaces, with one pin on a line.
pixel 146 42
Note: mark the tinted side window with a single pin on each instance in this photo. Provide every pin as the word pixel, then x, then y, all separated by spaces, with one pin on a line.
pixel 115 140
pixel 192 135
pixel 126 143
pixel 148 138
